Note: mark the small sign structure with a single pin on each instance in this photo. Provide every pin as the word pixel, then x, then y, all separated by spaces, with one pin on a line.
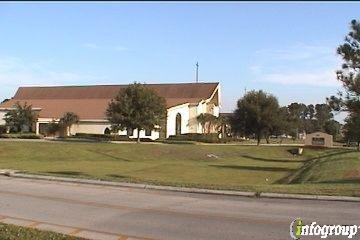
pixel 319 139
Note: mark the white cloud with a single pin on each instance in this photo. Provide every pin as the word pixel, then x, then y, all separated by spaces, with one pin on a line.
pixel 296 52
pixel 317 78
pixel 300 64
pixel 15 72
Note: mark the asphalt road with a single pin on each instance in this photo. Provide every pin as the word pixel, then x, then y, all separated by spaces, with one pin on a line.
pixel 124 213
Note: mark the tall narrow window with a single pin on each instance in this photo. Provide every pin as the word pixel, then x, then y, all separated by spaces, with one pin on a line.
pixel 178 124
pixel 147 132
pixel 130 131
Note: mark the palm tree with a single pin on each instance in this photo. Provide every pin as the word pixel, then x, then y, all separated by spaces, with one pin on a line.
pixel 211 121
pixel 221 125
pixel 206 120
pixel 68 120
pixel 202 120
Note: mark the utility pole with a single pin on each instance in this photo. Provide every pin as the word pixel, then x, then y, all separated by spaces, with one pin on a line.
pixel 197 72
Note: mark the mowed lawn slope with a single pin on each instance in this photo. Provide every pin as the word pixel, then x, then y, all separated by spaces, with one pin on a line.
pixel 333 171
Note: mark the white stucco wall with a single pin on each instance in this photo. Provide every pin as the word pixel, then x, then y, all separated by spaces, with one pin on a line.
pixel 99 128
pixel 94 128
pixel 193 123
pixel 171 119
pixel 154 134
pixel 201 108
pixel 2 115
pixel 216 111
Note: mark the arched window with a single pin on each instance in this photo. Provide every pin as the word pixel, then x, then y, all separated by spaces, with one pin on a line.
pixel 178 124
pixel 107 131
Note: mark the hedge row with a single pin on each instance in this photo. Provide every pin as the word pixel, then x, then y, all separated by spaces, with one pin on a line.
pixel 109 137
pixel 21 136
pixel 2 129
pixel 197 137
pixel 190 138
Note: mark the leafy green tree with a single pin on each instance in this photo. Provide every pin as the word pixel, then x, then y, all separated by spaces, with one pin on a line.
pixel 256 113
pixel 333 127
pixel 352 129
pixel 310 111
pixel 136 107
pixel 282 125
pixel 296 118
pixel 323 115
pixel 21 118
pixel 67 121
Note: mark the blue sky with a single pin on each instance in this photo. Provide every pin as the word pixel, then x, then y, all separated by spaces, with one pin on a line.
pixel 288 49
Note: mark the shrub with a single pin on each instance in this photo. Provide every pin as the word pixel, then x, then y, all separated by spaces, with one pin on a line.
pixel 108 137
pixel 175 141
pixel 52 128
pixel 22 136
pixel 2 129
pixel 197 137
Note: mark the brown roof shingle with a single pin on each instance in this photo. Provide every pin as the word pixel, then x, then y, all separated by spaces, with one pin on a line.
pixel 90 102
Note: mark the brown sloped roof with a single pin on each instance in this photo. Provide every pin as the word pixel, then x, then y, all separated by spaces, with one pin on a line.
pixel 90 102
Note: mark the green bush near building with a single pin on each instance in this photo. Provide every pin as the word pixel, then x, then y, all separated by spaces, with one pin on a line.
pixel 197 137
pixel 21 136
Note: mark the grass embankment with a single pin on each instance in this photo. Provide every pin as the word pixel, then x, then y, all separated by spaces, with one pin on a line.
pixel 270 169
pixel 12 232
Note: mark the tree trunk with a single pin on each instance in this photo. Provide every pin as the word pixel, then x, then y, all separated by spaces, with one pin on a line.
pixel 138 136
pixel 267 139
pixel 358 145
pixel 258 139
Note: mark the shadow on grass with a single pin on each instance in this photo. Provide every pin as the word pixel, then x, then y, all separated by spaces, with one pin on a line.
pixel 299 175
pixel 110 156
pixel 272 160
pixel 331 154
pixel 68 173
pixel 255 168
pixel 117 176
pixel 349 181
pixel 295 160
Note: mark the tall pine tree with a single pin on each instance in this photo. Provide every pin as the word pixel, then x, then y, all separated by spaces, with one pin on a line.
pixel 349 75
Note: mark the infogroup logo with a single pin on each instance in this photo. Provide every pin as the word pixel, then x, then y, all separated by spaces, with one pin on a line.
pixel 298 229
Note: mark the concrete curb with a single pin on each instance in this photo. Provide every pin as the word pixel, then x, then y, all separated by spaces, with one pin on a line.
pixel 15 174
pixel 311 197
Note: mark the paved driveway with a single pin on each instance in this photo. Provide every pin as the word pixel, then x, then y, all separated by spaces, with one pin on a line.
pixel 123 213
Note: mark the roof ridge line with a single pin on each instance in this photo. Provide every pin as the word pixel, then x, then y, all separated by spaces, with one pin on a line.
pixel 114 85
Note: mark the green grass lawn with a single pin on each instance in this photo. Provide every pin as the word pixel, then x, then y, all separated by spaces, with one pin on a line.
pixel 236 167
pixel 12 232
